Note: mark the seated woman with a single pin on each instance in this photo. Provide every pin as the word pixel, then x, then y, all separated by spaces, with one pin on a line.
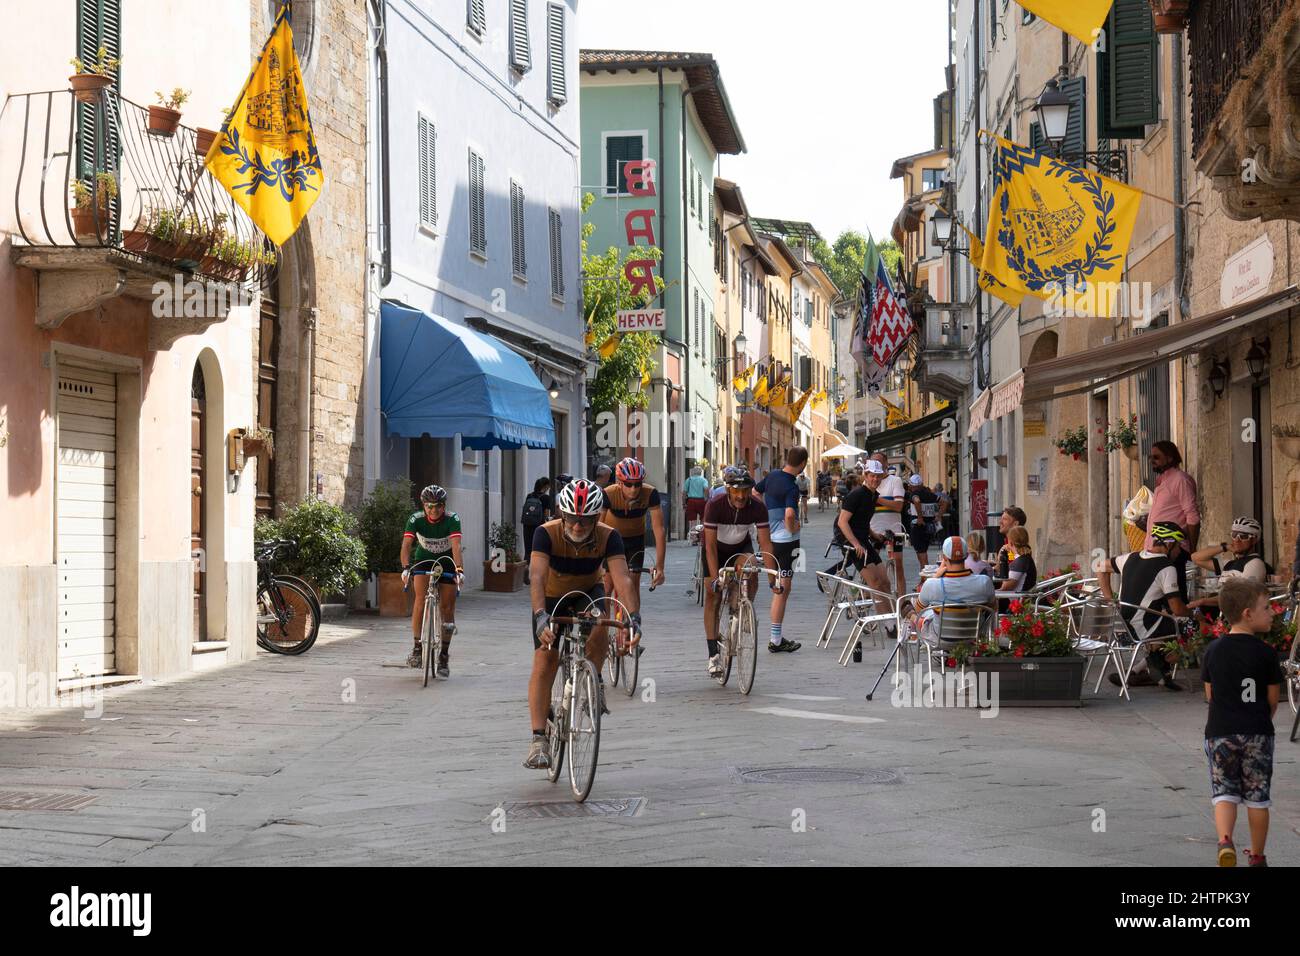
pixel 1016 563
pixel 975 548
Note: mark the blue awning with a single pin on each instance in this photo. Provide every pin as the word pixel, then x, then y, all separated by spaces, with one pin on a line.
pixel 441 379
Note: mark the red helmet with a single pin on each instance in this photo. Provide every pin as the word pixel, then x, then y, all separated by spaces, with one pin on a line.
pixel 629 469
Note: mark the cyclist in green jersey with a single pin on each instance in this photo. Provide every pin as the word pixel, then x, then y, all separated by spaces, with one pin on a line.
pixel 434 533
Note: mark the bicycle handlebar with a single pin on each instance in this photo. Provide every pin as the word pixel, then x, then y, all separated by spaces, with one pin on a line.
pixel 592 621
pixel 411 572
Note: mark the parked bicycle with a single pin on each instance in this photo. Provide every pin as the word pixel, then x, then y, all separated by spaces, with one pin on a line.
pixel 431 622
pixel 573 724
pixel 737 628
pixel 288 611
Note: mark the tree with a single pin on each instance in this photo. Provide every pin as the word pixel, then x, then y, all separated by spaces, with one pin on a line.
pixel 844 259
pixel 606 290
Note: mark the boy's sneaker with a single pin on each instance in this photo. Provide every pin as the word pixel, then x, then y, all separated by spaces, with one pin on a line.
pixel 786 645
pixel 1227 852
pixel 1253 860
pixel 715 666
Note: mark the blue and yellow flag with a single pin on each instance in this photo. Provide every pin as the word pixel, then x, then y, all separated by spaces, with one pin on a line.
pixel 1057 231
pixel 265 155
pixel 760 391
pixel 1082 19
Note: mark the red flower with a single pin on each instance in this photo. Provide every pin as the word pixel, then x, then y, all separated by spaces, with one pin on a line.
pixel 950 662
pixel 1004 626
pixel 1020 652
pixel 1037 629
pixel 1076 456
pixel 1015 606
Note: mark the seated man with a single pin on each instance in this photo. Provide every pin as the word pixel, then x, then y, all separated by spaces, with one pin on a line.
pixel 954 584
pixel 1245 560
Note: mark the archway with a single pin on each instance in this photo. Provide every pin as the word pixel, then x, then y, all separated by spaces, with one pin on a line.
pixel 208 491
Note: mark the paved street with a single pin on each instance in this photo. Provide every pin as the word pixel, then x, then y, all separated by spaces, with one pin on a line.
pixel 267 763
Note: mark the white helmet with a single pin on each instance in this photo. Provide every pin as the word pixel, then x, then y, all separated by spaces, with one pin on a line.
pixel 580 498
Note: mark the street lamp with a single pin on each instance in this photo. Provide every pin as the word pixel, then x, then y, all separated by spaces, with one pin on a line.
pixel 1053 109
pixel 1219 379
pixel 941 228
pixel 903 363
pixel 554 389
pixel 1257 359
pixel 741 341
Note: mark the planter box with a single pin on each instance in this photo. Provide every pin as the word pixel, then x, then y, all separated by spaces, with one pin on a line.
pixel 1033 681
pixel 511 579
pixel 393 602
pixel 84 221
pixel 203 140
pixel 86 86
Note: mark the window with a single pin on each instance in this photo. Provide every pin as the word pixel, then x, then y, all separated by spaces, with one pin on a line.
pixel 557 254
pixel 699 191
pixel 621 149
pixel 302 18
pixel 476 18
pixel 713 223
pixel 428 166
pixel 521 56
pixel 99 23
pixel 477 219
pixel 517 251
pixel 1128 73
pixel 557 84
pixel 690 185
pixel 931 179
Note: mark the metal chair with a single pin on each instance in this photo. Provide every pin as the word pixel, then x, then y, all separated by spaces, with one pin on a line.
pixel 953 625
pixel 1127 642
pixel 861 605
pixel 1093 621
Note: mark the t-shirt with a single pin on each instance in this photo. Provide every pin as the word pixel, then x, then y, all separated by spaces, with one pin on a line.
pixel 861 505
pixel 575 567
pixel 1226 665
pixel 718 492
pixel 1250 566
pixel 978 565
pixel 627 513
pixel 1024 572
pixel 884 520
pixel 802 482
pixel 696 486
pixel 732 524
pixel 432 538
pixel 929 504
pixel 779 492
pixel 1147 580
pixel 953 587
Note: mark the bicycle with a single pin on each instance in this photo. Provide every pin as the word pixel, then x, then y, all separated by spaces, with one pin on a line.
pixel 573 723
pixel 288 611
pixel 623 662
pixel 431 622
pixel 696 590
pixel 737 630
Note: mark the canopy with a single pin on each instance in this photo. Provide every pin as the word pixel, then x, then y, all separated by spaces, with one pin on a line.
pixel 441 379
pixel 911 432
pixel 843 451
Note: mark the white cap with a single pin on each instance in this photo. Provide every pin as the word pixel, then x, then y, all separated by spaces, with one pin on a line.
pixel 874 467
pixel 914 480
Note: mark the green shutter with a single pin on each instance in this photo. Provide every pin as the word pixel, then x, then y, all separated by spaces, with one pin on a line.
pixel 99 23
pixel 1076 131
pixel 1134 66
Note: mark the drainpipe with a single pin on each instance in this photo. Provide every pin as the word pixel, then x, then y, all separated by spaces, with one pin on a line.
pixel 385 220
pixel 686 252
pixel 1180 193
pixel 306 372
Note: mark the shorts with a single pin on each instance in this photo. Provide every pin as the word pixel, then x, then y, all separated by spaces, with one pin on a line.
pixel 920 536
pixel 1241 769
pixel 695 508
pixel 728 551
pixel 570 604
pixel 784 551
pixel 634 551
pixel 860 562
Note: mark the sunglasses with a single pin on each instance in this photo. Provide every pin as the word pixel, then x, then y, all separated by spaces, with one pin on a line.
pixel 1242 535
pixel 631 484
pixel 430 505
pixel 585 521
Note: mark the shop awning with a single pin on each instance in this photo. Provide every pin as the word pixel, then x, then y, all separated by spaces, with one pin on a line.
pixel 844 450
pixel 919 430
pixel 441 379
pixel 993 403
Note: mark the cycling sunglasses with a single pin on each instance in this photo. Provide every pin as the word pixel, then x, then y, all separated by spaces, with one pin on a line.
pixel 1242 535
pixel 582 521
pixel 631 484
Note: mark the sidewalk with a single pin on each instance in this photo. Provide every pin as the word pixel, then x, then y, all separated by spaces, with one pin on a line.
pixel 332 758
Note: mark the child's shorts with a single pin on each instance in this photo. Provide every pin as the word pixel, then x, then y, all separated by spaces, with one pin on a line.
pixel 1241 769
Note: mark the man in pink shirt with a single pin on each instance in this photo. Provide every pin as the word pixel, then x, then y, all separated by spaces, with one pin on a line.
pixel 1175 497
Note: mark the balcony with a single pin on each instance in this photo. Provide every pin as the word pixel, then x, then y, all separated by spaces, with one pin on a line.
pixel 1245 77
pixel 943 362
pixel 103 207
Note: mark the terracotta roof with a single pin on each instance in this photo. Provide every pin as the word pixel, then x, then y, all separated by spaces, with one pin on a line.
pixel 900 165
pixel 731 199
pixel 701 70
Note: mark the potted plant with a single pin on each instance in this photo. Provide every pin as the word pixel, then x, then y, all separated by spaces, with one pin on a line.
pixel 381 521
pixel 503 571
pixel 328 554
pixel 258 441
pixel 92 77
pixel 1032 656
pixel 1074 442
pixel 1122 436
pixel 90 213
pixel 1170 16
pixel 1288 440
pixel 165 116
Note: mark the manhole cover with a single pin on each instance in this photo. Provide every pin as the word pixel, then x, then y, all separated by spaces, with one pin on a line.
pixel 548 810
pixel 816 775
pixel 27 800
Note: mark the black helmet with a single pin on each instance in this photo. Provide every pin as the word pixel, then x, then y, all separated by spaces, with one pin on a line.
pixel 739 478
pixel 433 495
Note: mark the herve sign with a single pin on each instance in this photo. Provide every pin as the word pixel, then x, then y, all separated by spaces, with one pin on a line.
pixel 77 909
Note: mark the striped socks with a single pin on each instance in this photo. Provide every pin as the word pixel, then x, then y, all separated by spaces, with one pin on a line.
pixel 776 633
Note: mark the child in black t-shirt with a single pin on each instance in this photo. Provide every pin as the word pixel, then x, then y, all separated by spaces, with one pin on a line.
pixel 1243 683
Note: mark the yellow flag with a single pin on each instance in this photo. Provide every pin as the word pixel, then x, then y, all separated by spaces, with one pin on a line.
pixel 760 391
pixel 589 339
pixel 609 346
pixel 894 416
pixel 741 381
pixel 1012 297
pixel 780 395
pixel 842 407
pixel 645 374
pixel 798 406
pixel 1058 231
pixel 265 155
pixel 1082 19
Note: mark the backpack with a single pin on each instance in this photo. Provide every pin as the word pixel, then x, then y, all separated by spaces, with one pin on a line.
pixel 533 511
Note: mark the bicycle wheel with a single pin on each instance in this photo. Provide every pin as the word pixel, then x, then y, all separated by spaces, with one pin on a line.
pixel 613 662
pixel 431 639
pixel 699 575
pixel 556 731
pixel 584 730
pixel 746 646
pixel 1292 669
pixel 288 618
pixel 631 665
pixel 727 622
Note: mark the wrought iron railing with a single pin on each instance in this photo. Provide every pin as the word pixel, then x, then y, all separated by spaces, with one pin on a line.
pixel 1223 37
pixel 166 207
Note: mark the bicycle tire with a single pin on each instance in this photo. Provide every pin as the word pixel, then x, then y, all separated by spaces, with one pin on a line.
pixel 699 575
pixel 556 731
pixel 613 662
pixel 296 618
pixel 631 665
pixel 725 646
pixel 584 730
pixel 431 625
pixel 1293 676
pixel 746 647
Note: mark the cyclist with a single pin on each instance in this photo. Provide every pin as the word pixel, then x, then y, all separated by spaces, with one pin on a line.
pixel 801 482
pixel 824 482
pixel 855 523
pixel 626 503
pixel 727 523
pixel 434 533
pixel 567 556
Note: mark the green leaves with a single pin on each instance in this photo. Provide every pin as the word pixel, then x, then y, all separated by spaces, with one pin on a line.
pixel 327 553
pixel 381 522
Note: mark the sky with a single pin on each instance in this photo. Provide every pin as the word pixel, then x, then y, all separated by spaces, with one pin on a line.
pixel 826 100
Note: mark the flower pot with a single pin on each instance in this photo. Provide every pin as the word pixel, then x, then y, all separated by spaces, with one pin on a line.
pixel 511 579
pixel 1131 452
pixel 1170 16
pixel 136 240
pixel 1290 447
pixel 254 447
pixel 1031 681
pixel 203 140
pixel 86 86
pixel 162 121
pixel 393 601
pixel 84 221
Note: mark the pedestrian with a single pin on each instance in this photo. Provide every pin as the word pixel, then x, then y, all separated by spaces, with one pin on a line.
pixel 537 510
pixel 1175 497
pixel 802 483
pixel 924 508
pixel 604 475
pixel 695 492
pixel 1243 684
pixel 945 510
pixel 888 519
pixel 781 496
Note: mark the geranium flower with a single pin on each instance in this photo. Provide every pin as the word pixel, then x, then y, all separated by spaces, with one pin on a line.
pixel 1016 605
pixel 1037 629
pixel 950 662
pixel 1004 626
pixel 1020 652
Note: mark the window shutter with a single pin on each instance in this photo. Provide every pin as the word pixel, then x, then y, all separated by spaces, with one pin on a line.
pixel 1134 66
pixel 521 57
pixel 428 139
pixel 517 248
pixel 477 17
pixel 619 151
pixel 713 224
pixel 477 219
pixel 99 23
pixel 557 255
pixel 1036 139
pixel 557 84
pixel 1076 133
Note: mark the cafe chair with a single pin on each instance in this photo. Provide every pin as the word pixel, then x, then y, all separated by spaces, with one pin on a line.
pixel 1127 643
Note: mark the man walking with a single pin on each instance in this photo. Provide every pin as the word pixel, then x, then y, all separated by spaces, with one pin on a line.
pixel 695 493
pixel 780 494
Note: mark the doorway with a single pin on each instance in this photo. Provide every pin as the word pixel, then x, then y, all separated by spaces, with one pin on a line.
pixel 198 497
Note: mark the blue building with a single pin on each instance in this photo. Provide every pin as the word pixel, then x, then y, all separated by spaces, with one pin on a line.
pixel 475 222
